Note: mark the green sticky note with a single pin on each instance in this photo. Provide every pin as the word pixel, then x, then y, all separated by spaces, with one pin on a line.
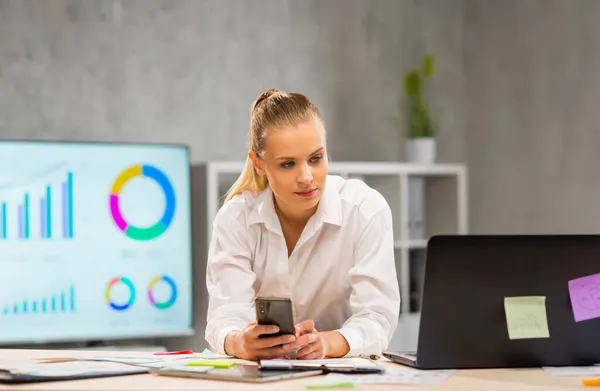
pixel 211 363
pixel 330 383
pixel 526 317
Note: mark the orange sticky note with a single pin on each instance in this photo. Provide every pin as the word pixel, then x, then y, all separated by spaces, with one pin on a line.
pixel 591 382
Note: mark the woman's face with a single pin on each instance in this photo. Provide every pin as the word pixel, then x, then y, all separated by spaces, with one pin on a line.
pixel 295 163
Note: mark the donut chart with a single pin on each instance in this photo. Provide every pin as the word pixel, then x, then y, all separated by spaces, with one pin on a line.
pixel 165 304
pixel 130 230
pixel 114 282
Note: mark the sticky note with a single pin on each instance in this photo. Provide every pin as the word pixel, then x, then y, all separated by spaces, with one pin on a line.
pixel 585 297
pixel 591 382
pixel 212 363
pixel 330 383
pixel 526 317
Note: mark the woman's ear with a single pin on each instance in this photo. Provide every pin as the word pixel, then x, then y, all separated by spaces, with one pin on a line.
pixel 257 163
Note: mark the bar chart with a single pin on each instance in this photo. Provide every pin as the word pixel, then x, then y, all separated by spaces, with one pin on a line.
pixel 59 302
pixel 36 212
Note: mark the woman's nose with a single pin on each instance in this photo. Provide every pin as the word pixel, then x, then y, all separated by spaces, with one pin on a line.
pixel 305 175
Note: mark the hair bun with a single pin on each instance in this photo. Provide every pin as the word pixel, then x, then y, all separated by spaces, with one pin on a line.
pixel 264 96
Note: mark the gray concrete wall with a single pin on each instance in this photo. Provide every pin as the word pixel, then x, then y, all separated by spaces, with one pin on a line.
pixel 532 72
pixel 188 70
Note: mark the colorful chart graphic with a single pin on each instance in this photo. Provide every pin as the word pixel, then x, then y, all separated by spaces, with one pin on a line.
pixel 114 282
pixel 59 302
pixel 165 304
pixel 23 214
pixel 161 179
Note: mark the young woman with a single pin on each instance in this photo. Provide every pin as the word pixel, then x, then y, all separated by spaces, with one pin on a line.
pixel 288 229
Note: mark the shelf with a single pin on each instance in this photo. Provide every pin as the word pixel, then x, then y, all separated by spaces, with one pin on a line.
pixel 362 168
pixel 411 244
pixel 392 180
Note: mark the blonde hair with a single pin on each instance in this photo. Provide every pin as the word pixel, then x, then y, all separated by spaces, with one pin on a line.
pixel 272 109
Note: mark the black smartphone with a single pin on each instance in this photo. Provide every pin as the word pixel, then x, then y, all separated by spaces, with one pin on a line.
pixel 275 311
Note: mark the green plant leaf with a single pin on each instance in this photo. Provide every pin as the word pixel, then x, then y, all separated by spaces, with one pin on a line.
pixel 428 66
pixel 418 119
pixel 412 83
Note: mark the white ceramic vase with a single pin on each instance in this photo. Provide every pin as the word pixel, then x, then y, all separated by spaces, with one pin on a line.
pixel 421 150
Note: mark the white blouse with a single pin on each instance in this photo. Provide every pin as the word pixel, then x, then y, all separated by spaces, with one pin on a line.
pixel 341 274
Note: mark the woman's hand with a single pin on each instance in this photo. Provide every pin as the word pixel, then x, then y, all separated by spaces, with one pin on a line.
pixel 309 344
pixel 247 345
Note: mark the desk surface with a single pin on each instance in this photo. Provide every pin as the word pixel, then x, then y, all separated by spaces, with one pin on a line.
pixel 488 379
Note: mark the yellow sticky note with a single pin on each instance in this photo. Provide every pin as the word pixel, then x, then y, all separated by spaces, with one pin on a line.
pixel 526 317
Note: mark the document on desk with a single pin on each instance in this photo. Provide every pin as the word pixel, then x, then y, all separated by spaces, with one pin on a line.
pixel 396 375
pixel 593 370
pixel 141 361
pixel 210 355
pixel 70 370
pixel 147 361
pixel 152 359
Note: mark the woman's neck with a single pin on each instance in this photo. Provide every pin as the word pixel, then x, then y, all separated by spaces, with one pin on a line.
pixel 297 218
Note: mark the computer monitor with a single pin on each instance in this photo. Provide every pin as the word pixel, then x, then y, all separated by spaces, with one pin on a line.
pixel 95 241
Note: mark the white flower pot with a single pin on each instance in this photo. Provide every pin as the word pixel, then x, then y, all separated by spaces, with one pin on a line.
pixel 421 150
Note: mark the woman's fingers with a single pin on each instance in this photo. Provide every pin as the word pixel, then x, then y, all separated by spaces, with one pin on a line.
pixel 259 344
pixel 270 353
pixel 305 327
pixel 301 341
pixel 305 351
pixel 269 342
pixel 254 331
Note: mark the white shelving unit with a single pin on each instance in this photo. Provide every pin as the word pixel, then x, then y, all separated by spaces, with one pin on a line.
pixel 392 180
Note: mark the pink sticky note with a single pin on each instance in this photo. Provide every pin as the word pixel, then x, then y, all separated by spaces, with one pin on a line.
pixel 585 297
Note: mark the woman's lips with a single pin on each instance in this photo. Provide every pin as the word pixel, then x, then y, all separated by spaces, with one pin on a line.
pixel 307 193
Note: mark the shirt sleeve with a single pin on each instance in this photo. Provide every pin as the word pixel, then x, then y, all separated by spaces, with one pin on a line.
pixel 375 295
pixel 229 281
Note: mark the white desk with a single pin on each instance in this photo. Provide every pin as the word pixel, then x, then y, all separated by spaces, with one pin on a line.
pixel 468 380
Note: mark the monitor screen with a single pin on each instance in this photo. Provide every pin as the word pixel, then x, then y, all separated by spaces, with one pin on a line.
pixel 95 241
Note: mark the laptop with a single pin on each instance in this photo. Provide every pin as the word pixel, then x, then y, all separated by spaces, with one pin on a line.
pixel 464 321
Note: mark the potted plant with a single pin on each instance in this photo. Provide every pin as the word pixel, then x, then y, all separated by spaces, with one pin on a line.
pixel 421 129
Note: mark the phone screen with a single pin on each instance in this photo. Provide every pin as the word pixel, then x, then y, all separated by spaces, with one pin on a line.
pixel 275 311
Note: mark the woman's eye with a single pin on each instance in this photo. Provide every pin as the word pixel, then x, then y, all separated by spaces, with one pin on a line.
pixel 314 159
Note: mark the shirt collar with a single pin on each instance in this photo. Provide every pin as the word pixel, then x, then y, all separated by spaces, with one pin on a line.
pixel 263 210
pixel 330 205
pixel 329 210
